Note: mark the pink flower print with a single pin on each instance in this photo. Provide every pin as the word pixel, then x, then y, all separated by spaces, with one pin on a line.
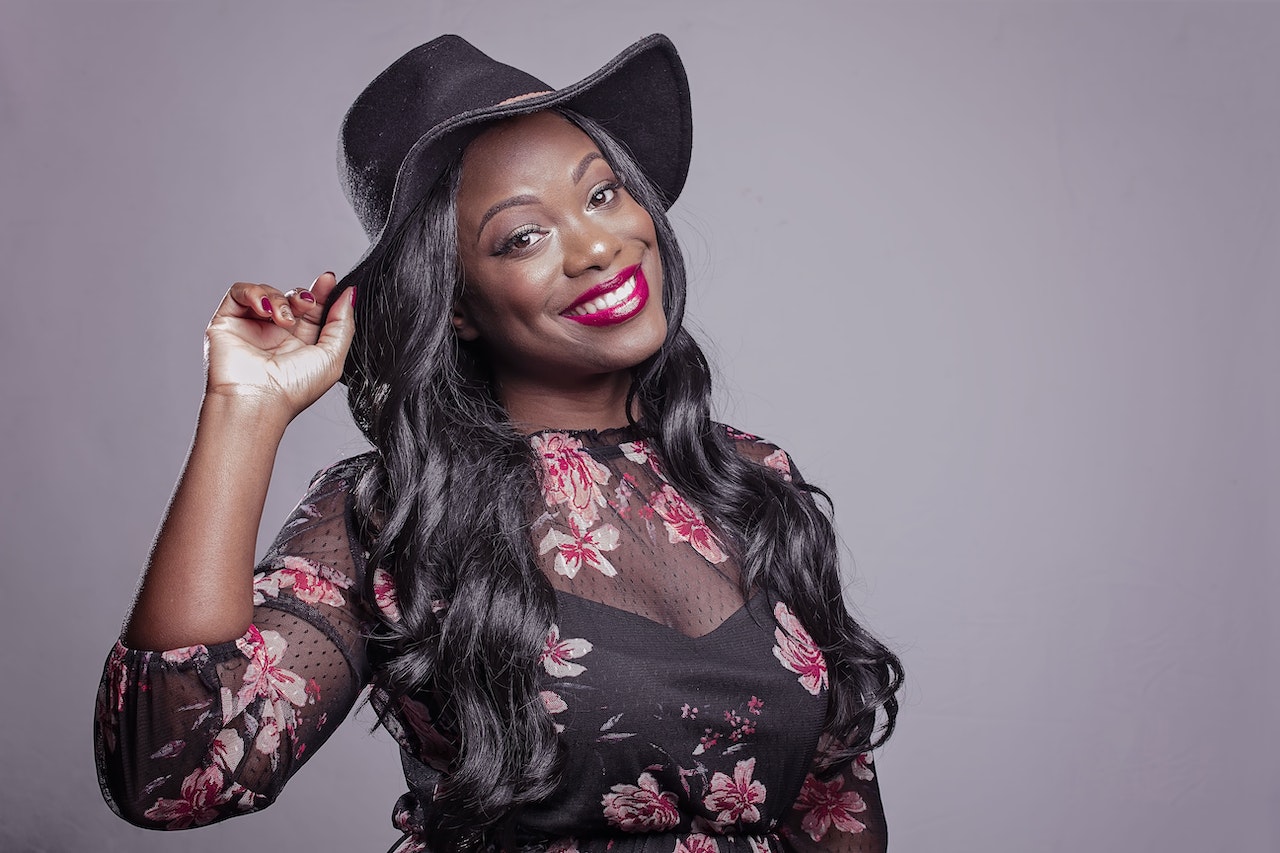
pixel 739 435
pixel 696 843
pixel 758 844
pixel 778 461
pixel 557 656
pixel 552 702
pixel 202 794
pixel 582 548
pixel 826 804
pixel 797 651
pixel 384 594
pixel 268 739
pixel 183 654
pixel 737 798
pixel 264 676
pixel 570 477
pixel 554 705
pixel 641 808
pixel 737 728
pixel 312 582
pixel 637 451
pixel 228 749
pixel 861 768
pixel 685 524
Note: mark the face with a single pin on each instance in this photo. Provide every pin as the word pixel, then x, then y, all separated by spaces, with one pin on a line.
pixel 563 283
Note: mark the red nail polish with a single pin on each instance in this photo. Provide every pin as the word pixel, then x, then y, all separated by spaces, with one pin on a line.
pixel 306 296
pixel 266 304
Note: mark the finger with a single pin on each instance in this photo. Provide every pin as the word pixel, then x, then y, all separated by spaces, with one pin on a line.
pixel 304 308
pixel 246 299
pixel 309 311
pixel 322 287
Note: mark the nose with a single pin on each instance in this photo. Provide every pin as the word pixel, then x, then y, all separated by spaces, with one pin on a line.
pixel 589 244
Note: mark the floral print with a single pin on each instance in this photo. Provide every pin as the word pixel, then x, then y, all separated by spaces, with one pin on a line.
pixel 570 477
pixel 384 594
pixel 737 797
pixel 557 658
pixel 202 797
pixel 739 727
pixel 581 549
pixel 643 807
pixel 797 651
pixel 264 676
pixel 312 582
pixel 780 462
pixel 827 804
pixel 697 843
pixel 685 524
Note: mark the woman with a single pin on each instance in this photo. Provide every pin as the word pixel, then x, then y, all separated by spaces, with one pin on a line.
pixel 590 615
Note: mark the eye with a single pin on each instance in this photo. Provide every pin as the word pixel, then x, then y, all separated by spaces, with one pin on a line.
pixel 522 239
pixel 605 194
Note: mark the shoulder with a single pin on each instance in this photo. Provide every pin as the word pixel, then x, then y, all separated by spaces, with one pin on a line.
pixel 760 451
pixel 343 474
pixel 332 489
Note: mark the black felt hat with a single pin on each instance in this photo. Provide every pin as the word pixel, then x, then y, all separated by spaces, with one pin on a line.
pixel 416 116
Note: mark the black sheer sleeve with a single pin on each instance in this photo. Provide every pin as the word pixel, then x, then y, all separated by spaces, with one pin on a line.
pixel 192 736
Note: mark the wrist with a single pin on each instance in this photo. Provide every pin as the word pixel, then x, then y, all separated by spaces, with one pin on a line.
pixel 245 412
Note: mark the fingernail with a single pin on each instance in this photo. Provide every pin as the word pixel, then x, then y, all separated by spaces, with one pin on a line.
pixel 330 272
pixel 266 304
pixel 353 294
pixel 305 296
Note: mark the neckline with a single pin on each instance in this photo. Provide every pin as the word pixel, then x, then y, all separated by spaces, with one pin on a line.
pixel 749 606
pixel 608 437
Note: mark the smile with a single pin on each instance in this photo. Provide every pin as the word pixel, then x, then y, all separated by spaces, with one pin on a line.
pixel 614 301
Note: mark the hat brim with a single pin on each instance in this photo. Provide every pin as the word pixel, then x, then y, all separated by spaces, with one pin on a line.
pixel 641 97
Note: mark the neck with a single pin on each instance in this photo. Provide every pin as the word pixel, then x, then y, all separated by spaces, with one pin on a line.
pixel 597 403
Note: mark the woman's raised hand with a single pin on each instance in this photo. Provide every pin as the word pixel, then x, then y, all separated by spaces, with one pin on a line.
pixel 268 348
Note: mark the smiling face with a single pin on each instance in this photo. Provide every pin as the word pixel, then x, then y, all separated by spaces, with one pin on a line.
pixel 563 282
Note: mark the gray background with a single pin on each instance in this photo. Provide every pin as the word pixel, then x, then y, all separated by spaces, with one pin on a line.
pixel 1002 277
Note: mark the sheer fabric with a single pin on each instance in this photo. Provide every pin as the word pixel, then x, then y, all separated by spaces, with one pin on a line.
pixel 692 718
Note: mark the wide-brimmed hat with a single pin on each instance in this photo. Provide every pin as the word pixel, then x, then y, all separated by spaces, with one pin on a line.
pixel 420 113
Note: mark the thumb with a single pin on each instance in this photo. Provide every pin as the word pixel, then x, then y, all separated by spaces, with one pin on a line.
pixel 339 326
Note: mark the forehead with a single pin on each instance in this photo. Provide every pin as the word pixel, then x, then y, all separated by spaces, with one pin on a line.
pixel 521 155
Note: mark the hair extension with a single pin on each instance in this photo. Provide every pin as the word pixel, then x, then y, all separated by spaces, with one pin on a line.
pixel 445 503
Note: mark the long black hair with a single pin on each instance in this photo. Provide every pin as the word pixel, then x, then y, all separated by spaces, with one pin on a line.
pixel 446 503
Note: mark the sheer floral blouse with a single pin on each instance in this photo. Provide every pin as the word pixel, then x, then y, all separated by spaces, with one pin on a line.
pixel 693 720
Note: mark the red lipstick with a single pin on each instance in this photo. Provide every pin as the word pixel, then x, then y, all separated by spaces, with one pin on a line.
pixel 611 302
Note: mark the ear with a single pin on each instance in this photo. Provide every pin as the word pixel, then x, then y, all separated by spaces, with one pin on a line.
pixel 463 326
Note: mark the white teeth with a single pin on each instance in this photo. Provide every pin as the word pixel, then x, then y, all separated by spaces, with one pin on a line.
pixel 612 299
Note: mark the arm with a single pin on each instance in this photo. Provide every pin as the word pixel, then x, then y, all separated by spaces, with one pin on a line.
pixel 197 734
pixel 268 357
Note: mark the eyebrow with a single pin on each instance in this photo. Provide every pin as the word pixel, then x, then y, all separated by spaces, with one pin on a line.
pixel 514 201
pixel 581 168
pixel 518 200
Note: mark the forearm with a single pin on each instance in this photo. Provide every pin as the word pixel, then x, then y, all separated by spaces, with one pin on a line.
pixel 197 587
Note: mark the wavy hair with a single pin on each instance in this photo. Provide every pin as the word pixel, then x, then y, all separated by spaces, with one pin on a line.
pixel 446 499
